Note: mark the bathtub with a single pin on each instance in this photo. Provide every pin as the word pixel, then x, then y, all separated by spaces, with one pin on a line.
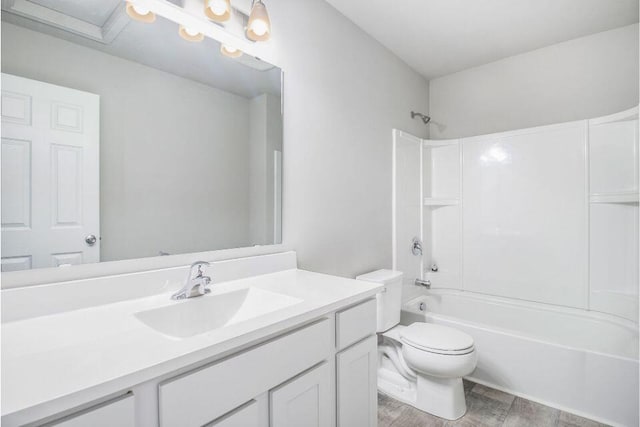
pixel 581 362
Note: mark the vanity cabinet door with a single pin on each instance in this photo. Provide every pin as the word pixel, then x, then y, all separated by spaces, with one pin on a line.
pixel 248 415
pixel 357 384
pixel 303 401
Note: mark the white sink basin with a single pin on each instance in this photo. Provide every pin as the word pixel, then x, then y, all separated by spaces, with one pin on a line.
pixel 195 316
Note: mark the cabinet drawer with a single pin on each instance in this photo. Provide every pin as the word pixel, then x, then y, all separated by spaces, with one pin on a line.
pixel 355 323
pixel 197 398
pixel 119 412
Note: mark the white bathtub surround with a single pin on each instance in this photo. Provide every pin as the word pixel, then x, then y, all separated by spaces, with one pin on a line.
pixel 96 341
pixel 581 362
pixel 420 364
pixel 546 214
pixel 530 243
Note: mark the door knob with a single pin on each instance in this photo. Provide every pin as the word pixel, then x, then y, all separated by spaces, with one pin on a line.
pixel 90 240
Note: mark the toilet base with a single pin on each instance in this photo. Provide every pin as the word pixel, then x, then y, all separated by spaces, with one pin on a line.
pixel 442 397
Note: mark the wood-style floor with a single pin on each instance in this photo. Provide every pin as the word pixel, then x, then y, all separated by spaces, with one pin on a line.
pixel 486 407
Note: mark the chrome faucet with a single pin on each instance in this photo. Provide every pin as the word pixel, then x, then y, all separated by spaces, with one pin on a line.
pixel 194 286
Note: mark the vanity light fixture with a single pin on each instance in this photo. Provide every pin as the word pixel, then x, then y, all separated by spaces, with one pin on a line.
pixel 190 34
pixel 140 13
pixel 230 51
pixel 259 25
pixel 218 10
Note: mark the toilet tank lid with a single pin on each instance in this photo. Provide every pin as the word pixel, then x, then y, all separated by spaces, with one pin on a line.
pixel 381 276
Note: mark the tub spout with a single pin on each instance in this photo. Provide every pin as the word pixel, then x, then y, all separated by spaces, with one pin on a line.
pixel 425 283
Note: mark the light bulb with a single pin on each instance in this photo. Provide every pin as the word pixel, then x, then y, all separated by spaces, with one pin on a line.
pixel 218 7
pixel 191 31
pixel 140 10
pixel 190 34
pixel 259 25
pixel 230 51
pixel 140 13
pixel 218 10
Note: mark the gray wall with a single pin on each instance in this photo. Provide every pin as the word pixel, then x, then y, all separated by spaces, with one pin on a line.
pixel 343 93
pixel 583 78
pixel 174 153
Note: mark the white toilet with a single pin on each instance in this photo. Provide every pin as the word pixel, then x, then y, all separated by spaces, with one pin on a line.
pixel 421 364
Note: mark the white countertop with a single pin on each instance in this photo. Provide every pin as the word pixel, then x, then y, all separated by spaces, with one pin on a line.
pixel 52 363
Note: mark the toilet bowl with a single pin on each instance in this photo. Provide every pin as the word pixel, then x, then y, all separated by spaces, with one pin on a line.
pixel 441 356
pixel 421 364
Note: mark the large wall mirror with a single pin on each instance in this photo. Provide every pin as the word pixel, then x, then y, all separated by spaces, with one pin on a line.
pixel 130 141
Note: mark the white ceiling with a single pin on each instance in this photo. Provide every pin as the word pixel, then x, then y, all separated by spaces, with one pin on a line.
pixel 439 37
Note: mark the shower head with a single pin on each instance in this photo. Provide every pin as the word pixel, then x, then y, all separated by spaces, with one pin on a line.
pixel 425 119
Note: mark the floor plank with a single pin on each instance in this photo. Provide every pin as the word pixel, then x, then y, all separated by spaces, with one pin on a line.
pixel 468 385
pixel 494 394
pixel 484 411
pixel 388 410
pixel 413 417
pixel 527 413
pixel 486 407
pixel 570 420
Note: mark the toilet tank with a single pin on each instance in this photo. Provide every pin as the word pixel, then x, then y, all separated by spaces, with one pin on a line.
pixel 390 299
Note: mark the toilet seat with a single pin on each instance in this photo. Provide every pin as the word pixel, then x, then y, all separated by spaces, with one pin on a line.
pixel 437 339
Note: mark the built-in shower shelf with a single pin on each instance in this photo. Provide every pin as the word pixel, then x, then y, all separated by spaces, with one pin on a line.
pixel 626 197
pixel 437 201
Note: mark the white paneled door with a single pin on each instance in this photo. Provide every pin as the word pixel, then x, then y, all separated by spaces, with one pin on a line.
pixel 50 175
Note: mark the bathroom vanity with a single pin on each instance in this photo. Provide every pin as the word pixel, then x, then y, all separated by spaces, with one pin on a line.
pixel 270 345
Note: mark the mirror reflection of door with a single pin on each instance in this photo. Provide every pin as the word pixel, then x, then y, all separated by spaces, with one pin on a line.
pixel 50 175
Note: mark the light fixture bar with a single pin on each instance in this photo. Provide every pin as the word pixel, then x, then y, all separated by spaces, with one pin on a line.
pixel 195 20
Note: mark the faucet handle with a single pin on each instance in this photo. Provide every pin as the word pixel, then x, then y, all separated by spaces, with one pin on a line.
pixel 194 286
pixel 198 264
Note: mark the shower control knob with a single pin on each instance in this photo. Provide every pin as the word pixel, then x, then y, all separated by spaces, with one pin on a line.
pixel 416 246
